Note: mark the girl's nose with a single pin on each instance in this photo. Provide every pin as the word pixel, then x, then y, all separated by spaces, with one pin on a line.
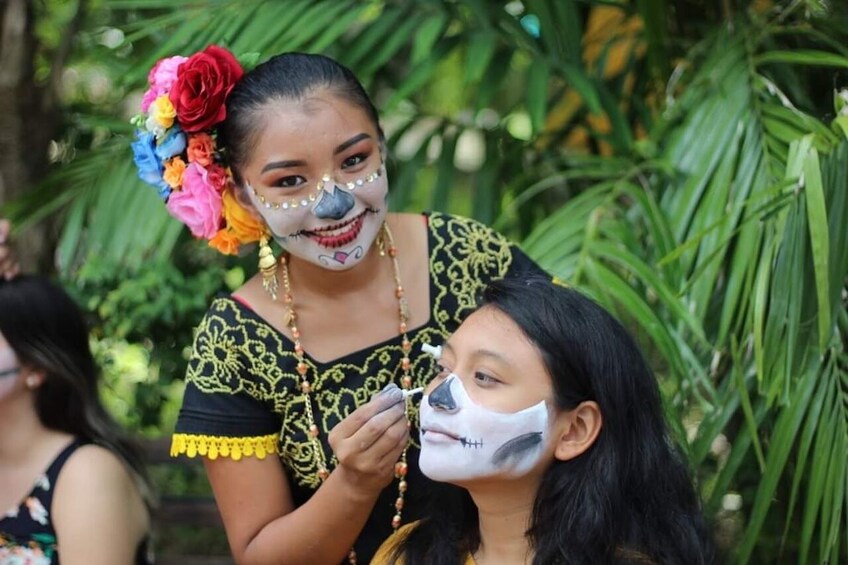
pixel 333 204
pixel 441 397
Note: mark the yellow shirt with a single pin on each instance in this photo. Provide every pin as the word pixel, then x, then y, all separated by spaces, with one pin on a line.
pixel 384 554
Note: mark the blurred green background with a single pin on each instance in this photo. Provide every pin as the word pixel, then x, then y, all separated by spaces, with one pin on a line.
pixel 685 162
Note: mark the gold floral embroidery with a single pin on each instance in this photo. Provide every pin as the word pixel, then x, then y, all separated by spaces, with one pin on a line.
pixel 235 352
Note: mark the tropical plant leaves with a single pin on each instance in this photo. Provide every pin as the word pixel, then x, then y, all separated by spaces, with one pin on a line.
pixel 736 247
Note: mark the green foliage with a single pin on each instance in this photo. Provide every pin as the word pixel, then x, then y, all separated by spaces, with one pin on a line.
pixel 685 163
pixel 728 255
pixel 143 324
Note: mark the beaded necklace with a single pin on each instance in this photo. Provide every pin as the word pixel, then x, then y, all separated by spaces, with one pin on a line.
pixel 386 245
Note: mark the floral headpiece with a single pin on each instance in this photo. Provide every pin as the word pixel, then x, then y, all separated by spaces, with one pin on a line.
pixel 175 149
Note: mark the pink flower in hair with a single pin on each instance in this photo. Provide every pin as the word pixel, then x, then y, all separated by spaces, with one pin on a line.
pixel 198 204
pixel 161 78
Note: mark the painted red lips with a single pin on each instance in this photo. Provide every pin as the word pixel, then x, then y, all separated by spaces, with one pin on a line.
pixel 338 235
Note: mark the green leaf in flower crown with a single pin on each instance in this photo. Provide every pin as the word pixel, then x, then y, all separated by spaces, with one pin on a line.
pixel 249 60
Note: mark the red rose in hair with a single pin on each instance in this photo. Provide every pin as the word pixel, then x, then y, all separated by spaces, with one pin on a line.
pixel 202 85
pixel 217 177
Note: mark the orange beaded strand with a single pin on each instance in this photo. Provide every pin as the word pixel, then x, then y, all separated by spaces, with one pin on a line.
pixel 306 387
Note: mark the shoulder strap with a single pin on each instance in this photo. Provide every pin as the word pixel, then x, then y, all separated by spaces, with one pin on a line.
pixel 59 461
pixel 55 468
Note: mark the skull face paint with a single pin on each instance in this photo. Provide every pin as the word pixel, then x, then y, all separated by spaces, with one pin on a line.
pixel 461 440
pixel 316 177
pixel 357 209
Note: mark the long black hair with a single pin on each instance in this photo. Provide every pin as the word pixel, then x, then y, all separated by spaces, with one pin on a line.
pixel 629 498
pixel 47 331
pixel 287 76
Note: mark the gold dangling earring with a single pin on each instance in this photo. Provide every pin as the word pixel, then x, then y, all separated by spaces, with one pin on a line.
pixel 381 240
pixel 268 267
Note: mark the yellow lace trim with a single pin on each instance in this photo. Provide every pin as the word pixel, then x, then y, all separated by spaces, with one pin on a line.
pixel 235 448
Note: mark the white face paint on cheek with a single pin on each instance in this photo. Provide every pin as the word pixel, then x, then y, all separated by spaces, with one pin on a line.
pixel 333 243
pixel 461 440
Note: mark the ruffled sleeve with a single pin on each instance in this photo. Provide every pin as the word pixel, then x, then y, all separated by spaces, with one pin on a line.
pixel 234 387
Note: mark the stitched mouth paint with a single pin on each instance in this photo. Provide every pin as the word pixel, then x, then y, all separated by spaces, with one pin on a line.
pixel 461 440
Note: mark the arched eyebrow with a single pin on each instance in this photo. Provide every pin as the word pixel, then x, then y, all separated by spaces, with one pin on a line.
pixel 490 353
pixel 352 141
pixel 300 163
pixel 283 165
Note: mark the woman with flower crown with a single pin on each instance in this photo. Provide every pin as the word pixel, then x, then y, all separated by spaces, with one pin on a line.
pixel 299 388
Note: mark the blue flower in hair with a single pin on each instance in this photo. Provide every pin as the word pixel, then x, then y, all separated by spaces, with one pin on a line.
pixel 172 144
pixel 150 167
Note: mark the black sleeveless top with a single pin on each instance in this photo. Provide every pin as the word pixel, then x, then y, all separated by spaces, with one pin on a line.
pixel 26 531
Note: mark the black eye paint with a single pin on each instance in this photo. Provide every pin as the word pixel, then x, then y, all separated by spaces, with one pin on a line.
pixel 517 447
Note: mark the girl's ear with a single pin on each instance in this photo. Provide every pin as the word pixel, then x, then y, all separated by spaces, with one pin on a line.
pixel 33 378
pixel 577 430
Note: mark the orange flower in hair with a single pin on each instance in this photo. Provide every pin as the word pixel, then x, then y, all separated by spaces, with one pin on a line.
pixel 201 149
pixel 225 242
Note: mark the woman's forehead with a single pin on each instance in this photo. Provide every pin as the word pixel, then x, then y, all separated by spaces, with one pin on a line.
pixel 317 108
pixel 488 332
pixel 316 124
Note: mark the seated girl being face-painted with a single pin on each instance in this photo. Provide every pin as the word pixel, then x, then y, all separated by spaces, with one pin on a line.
pixel 489 415
pixel 545 425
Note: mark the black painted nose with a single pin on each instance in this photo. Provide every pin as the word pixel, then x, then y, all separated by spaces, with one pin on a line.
pixel 442 398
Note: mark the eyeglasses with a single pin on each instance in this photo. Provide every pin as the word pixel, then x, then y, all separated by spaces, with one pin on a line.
pixel 9 372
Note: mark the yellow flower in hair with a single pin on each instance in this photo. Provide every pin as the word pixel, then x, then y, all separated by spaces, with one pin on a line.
pixel 239 220
pixel 561 282
pixel 163 111
pixel 174 169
